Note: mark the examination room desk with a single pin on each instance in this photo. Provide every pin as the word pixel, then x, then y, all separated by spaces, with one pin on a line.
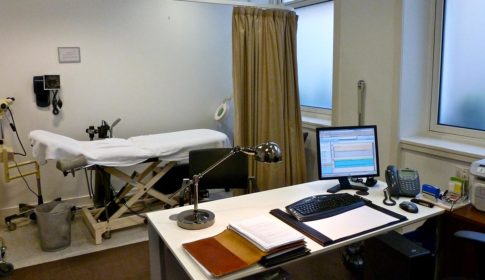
pixel 168 260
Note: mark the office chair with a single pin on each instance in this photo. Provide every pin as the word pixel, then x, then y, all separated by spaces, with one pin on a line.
pixel 231 174
pixel 173 179
pixel 478 240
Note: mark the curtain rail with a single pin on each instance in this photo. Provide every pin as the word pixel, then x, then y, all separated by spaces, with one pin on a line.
pixel 238 3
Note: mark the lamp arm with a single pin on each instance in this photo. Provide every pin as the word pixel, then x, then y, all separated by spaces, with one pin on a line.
pixel 195 179
pixel 214 165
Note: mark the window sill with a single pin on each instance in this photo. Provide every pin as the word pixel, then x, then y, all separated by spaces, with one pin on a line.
pixel 445 148
pixel 313 123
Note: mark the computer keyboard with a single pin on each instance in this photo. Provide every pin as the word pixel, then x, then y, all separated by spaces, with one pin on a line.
pixel 323 206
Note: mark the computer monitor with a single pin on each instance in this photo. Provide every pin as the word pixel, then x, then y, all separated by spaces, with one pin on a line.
pixel 345 152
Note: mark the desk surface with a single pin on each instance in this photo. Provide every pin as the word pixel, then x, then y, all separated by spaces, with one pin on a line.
pixel 246 206
pixel 470 214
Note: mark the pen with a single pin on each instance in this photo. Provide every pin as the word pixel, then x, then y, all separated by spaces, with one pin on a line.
pixel 422 202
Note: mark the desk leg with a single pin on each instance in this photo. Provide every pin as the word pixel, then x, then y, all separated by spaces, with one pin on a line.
pixel 156 258
pixel 163 264
pixel 438 260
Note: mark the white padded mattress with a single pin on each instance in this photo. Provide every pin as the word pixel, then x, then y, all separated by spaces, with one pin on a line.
pixel 171 146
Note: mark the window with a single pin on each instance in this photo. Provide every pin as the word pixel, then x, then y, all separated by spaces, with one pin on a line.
pixel 458 104
pixel 315 54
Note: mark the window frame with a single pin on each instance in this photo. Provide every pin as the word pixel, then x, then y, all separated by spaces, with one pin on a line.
pixel 434 126
pixel 309 111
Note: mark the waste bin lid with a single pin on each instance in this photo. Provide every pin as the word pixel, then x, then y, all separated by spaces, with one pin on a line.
pixel 53 207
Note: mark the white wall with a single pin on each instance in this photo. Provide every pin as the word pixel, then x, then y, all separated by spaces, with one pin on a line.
pixel 159 65
pixel 417 49
pixel 433 169
pixel 367 47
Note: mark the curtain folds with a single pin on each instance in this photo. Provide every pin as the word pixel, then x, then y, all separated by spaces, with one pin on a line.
pixel 266 98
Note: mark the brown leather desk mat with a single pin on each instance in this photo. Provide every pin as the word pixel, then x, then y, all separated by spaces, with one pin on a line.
pixel 224 253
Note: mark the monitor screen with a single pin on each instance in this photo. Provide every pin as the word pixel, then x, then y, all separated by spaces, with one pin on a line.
pixel 347 151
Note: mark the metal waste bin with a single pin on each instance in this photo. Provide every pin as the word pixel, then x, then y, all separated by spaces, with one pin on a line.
pixel 54 221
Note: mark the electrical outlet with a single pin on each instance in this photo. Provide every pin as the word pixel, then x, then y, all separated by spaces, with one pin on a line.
pixel 462 172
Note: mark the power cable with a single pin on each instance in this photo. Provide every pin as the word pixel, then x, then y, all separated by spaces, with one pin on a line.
pixel 14 129
pixel 23 178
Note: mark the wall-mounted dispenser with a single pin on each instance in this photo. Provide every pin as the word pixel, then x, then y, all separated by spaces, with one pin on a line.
pixel 43 86
pixel 42 96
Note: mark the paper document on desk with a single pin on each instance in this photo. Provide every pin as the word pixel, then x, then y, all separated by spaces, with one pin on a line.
pixel 351 222
pixel 266 232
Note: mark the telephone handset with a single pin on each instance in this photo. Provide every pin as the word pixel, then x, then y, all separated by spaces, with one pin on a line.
pixel 403 182
pixel 391 180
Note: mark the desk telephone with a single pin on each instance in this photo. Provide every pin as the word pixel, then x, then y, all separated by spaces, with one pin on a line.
pixel 403 182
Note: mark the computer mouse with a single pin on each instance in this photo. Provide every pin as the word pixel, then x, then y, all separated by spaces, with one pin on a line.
pixel 409 207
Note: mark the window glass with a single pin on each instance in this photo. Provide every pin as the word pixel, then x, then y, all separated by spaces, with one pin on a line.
pixel 462 83
pixel 315 54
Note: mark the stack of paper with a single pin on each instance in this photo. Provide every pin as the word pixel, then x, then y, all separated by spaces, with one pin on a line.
pixel 262 239
pixel 279 241
pixel 267 233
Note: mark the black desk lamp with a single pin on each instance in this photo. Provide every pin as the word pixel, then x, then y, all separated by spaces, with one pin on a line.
pixel 268 152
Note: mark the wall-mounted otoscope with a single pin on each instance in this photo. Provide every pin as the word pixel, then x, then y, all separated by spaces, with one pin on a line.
pixel 4 104
pixel 112 126
pixel 103 131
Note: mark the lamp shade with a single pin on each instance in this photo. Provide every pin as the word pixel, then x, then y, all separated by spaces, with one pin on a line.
pixel 268 152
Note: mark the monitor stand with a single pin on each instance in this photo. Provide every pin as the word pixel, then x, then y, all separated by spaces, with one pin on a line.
pixel 345 185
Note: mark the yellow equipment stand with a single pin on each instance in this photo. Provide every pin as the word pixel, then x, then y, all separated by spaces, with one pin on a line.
pixel 7 158
pixel 9 163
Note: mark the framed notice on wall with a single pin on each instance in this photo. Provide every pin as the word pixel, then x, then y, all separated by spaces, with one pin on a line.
pixel 69 54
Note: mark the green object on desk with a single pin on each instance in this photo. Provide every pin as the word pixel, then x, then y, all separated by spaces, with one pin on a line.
pixel 459 185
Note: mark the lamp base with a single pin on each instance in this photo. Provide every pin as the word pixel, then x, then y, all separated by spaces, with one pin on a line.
pixel 195 219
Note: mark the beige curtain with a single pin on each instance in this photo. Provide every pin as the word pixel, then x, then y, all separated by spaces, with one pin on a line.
pixel 266 98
